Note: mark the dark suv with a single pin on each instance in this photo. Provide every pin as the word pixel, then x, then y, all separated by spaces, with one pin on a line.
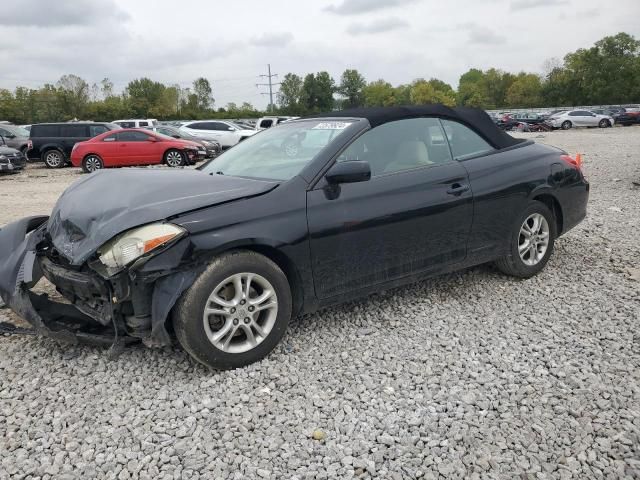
pixel 52 142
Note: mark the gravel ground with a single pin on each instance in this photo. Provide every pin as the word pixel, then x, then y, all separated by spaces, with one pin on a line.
pixel 469 375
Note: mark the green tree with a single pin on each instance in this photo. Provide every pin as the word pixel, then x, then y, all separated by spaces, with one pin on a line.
pixel 289 96
pixel 351 88
pixel 325 88
pixel 204 94
pixel 143 95
pixel 379 93
pixel 471 89
pixel 73 95
pixel 432 91
pixel 525 91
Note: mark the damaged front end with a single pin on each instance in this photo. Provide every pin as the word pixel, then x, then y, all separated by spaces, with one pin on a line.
pixel 107 299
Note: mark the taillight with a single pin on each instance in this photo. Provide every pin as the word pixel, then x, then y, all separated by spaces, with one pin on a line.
pixel 29 145
pixel 574 162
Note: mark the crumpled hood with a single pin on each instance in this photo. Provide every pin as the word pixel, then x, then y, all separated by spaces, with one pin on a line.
pixel 105 203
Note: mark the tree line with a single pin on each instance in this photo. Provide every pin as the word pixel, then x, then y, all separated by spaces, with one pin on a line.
pixel 606 73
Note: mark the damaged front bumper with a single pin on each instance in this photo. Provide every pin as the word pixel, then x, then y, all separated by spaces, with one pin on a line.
pixel 133 305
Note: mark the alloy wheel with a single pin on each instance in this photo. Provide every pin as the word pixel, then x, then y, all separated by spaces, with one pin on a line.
pixel 240 312
pixel 53 159
pixel 93 163
pixel 533 239
pixel 174 158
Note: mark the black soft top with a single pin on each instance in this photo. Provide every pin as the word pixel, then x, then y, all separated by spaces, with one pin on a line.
pixel 474 118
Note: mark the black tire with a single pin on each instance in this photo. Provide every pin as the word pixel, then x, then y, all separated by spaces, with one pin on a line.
pixel 188 314
pixel 170 158
pixel 604 123
pixel 92 163
pixel 53 158
pixel 512 264
pixel 566 125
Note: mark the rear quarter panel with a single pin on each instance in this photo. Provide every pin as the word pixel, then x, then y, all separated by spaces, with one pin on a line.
pixel 502 184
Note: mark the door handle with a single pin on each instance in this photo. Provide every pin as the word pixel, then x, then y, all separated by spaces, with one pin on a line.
pixel 458 188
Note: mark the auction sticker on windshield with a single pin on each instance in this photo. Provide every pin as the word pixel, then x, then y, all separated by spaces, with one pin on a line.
pixel 332 126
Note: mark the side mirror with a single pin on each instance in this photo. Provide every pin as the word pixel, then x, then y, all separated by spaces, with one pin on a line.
pixel 176 136
pixel 349 172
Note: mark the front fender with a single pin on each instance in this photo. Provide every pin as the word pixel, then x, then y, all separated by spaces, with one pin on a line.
pixel 17 254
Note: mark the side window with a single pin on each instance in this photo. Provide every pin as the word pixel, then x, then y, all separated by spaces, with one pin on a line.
pixel 73 131
pixel 266 123
pixel 46 131
pixel 166 131
pixel 196 126
pixel 97 130
pixel 132 137
pixel 463 141
pixel 143 124
pixel 223 127
pixel 400 145
pixel 127 124
pixel 110 138
pixel 574 114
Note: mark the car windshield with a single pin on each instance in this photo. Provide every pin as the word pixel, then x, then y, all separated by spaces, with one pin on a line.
pixel 17 131
pixel 278 153
pixel 163 136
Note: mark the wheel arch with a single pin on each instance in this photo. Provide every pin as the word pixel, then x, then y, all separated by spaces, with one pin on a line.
pixel 554 205
pixel 288 268
pixel 51 146
pixel 268 250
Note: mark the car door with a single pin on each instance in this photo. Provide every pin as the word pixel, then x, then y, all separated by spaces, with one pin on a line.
pixel 71 134
pixel 413 215
pixel 133 148
pixel 109 150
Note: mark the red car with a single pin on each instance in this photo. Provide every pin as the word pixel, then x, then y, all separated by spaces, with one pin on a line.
pixel 128 146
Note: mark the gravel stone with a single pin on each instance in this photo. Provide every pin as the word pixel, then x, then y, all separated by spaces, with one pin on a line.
pixel 468 375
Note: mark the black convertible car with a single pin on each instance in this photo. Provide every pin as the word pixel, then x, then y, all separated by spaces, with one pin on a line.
pixel 311 213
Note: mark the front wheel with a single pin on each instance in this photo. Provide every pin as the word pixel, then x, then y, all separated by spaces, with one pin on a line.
pixel 604 123
pixel 531 243
pixel 236 311
pixel 566 125
pixel 174 158
pixel 91 163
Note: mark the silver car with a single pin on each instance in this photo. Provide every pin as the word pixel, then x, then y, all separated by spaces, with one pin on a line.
pixel 579 118
pixel 14 137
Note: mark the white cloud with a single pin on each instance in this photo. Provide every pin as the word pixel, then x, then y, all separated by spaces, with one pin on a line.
pixel 377 26
pixel 123 39
pixel 356 7
pixel 274 40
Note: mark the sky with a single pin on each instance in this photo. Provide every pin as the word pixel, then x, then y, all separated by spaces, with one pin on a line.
pixel 230 43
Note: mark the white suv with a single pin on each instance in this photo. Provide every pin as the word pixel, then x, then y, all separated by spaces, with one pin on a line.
pixel 226 133
pixel 268 122
pixel 137 123
pixel 579 118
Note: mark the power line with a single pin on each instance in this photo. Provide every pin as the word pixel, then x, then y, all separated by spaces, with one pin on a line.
pixel 270 85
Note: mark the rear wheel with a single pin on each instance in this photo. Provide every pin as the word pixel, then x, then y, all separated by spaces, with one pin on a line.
pixel 91 163
pixel 531 243
pixel 235 313
pixel 174 158
pixel 604 123
pixel 566 125
pixel 53 159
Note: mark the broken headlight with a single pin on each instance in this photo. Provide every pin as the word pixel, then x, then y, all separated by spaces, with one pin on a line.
pixel 131 245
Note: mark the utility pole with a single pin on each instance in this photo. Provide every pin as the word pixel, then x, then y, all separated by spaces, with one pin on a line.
pixel 270 85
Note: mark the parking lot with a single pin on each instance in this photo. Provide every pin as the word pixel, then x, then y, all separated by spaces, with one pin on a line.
pixel 469 375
